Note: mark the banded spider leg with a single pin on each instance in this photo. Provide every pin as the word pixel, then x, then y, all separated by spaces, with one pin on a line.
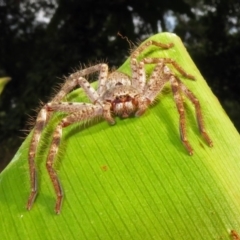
pixel 77 112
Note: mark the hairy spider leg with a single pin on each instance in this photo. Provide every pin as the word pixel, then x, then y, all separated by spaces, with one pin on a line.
pixel 40 123
pixel 145 45
pixel 152 88
pixel 102 79
pixel 197 106
pixel 138 75
pixel 159 77
pixel 138 71
pixel 71 82
pixel 164 74
pixel 78 112
pixel 99 106
pixel 156 82
pixel 182 121
pixel 169 61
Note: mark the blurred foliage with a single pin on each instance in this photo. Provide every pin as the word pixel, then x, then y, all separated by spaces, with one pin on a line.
pixel 213 40
pixel 42 41
pixel 3 82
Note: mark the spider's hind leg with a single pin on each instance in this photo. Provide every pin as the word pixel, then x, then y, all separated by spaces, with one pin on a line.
pixel 180 107
pixel 199 116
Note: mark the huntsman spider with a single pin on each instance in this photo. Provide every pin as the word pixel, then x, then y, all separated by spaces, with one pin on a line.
pixel 116 95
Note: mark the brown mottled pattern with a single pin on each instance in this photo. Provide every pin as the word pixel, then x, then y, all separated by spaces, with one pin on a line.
pixel 117 94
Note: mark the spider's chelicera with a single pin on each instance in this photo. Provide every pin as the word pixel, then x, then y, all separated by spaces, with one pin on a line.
pixel 117 95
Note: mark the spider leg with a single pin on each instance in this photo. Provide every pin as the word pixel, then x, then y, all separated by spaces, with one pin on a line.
pixel 169 61
pixel 102 78
pixel 152 89
pixel 199 116
pixel 138 75
pixel 138 71
pixel 77 79
pixel 156 82
pixel 71 82
pixel 70 85
pixel 145 45
pixel 78 112
pixel 42 118
pixel 182 120
pixel 40 123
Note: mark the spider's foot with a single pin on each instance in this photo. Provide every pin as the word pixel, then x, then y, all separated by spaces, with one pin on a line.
pixel 31 200
pixel 169 45
pixel 188 147
pixel 112 122
pixel 191 153
pixel 210 143
pixel 191 77
pixel 207 139
pixel 58 205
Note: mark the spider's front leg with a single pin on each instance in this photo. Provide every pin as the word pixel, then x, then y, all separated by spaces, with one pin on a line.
pixel 78 112
pixel 71 82
pixel 40 123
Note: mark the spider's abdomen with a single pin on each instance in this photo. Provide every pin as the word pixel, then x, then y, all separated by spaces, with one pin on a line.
pixel 123 99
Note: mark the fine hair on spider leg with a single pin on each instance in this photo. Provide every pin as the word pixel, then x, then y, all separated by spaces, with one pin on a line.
pixel 117 94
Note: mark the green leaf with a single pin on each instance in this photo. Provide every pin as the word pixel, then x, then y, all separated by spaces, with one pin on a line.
pixel 3 82
pixel 134 180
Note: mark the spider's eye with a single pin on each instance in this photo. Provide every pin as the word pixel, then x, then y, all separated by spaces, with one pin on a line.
pixel 118 84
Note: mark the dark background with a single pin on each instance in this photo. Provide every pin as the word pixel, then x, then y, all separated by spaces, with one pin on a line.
pixel 46 39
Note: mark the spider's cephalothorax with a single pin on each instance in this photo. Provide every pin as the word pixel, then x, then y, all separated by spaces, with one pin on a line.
pixel 117 94
pixel 123 97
